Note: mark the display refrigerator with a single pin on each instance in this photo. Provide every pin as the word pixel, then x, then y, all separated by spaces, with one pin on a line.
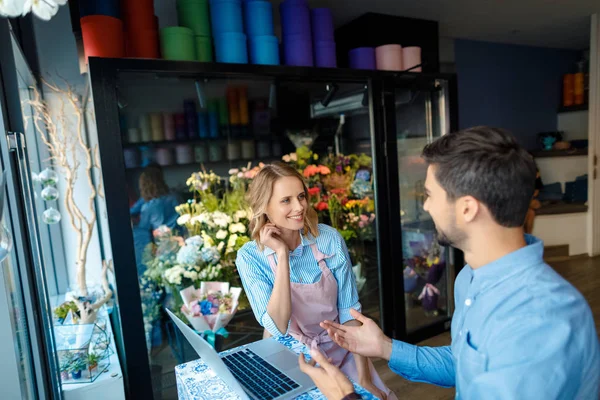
pixel 189 117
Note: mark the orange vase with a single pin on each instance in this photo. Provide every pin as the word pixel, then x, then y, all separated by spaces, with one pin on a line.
pixel 568 90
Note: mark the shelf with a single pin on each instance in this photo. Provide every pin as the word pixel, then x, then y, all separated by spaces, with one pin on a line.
pixel 197 141
pixel 581 107
pixel 234 163
pixel 559 153
pixel 561 208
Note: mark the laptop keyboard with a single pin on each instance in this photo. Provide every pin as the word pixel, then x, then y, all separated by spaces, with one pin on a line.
pixel 259 377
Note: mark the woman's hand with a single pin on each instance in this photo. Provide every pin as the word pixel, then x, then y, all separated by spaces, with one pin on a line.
pixel 269 236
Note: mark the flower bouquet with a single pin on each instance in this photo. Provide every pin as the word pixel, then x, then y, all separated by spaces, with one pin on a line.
pixel 210 308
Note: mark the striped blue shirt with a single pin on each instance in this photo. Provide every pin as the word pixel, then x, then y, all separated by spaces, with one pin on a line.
pixel 258 278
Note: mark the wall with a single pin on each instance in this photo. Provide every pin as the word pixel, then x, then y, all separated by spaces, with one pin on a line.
pixel 514 87
pixel 572 231
pixel 59 63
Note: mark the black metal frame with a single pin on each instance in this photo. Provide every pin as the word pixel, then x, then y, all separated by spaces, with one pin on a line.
pixel 38 317
pixel 104 76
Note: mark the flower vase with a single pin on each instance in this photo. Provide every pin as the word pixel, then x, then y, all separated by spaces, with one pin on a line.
pixel 76 374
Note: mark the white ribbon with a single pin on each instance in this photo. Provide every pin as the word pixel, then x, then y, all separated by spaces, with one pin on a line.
pixel 429 290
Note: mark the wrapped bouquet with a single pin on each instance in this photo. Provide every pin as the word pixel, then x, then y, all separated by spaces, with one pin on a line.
pixel 210 308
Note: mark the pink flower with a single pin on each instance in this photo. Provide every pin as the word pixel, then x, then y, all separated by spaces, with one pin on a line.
pixel 361 224
pixel 214 310
pixel 364 218
pixel 195 307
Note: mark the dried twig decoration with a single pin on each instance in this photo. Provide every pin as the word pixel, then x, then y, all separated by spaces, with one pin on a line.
pixel 63 133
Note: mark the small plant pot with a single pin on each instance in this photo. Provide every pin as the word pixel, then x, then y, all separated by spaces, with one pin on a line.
pixel 76 375
pixel 64 375
pixel 93 367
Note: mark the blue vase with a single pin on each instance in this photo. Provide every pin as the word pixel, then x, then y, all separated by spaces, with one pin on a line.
pixel 76 375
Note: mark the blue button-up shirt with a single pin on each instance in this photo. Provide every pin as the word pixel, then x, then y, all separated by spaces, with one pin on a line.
pixel 519 331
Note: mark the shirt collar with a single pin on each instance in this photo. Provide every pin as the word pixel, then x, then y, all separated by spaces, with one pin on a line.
pixel 305 240
pixel 509 265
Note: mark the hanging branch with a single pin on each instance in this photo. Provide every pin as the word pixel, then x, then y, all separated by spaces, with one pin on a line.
pixel 65 142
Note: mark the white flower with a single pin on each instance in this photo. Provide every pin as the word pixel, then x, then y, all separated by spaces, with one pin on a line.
pixel 241 214
pixel 191 275
pixel 13 8
pixel 43 9
pixel 174 275
pixel 184 219
pixel 195 220
pixel 220 246
pixel 239 227
pixel 232 239
pixel 221 234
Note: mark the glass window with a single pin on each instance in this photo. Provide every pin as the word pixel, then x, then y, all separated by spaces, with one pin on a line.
pixel 421 117
pixel 229 127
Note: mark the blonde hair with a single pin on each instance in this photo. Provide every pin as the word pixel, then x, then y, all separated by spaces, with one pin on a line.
pixel 260 192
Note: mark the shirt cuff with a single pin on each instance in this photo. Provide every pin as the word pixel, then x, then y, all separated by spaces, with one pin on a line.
pixel 269 324
pixel 403 358
pixel 344 313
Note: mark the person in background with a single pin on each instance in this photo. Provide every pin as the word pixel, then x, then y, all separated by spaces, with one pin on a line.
pixel 296 272
pixel 519 330
pixel 156 207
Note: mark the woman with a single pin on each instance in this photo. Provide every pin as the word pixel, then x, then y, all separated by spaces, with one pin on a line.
pixel 297 272
pixel 156 207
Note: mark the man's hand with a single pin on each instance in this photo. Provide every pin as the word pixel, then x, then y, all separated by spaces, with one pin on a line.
pixel 366 340
pixel 329 379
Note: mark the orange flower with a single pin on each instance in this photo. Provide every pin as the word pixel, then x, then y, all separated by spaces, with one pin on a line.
pixel 323 170
pixel 311 170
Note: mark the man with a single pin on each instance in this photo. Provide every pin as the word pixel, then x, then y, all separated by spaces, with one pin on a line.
pixel 519 330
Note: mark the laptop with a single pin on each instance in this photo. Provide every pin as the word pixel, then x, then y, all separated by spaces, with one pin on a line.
pixel 263 370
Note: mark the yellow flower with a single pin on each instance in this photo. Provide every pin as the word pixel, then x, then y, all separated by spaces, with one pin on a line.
pixel 347 168
pixel 315 156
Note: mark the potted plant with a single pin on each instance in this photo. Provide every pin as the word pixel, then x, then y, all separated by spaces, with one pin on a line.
pixel 92 361
pixel 62 311
pixel 64 368
pixel 77 365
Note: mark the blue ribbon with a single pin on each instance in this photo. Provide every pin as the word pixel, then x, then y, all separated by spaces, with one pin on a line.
pixel 211 336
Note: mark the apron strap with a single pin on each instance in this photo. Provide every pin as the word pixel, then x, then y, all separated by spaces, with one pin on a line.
pixel 320 257
pixel 272 263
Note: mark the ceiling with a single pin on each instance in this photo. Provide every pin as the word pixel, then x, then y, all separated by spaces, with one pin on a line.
pixel 558 24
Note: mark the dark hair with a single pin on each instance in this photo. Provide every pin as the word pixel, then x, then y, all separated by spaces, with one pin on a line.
pixel 488 164
pixel 152 183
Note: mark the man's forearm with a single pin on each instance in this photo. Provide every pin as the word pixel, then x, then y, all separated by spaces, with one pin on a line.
pixel 433 365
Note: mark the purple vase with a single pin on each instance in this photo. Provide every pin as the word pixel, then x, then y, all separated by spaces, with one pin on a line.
pixel 435 273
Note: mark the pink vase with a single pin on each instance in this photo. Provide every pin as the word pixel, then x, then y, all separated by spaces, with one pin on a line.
pixel 389 57
pixel 411 56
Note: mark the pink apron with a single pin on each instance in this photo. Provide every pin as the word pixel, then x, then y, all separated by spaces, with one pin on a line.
pixel 313 303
